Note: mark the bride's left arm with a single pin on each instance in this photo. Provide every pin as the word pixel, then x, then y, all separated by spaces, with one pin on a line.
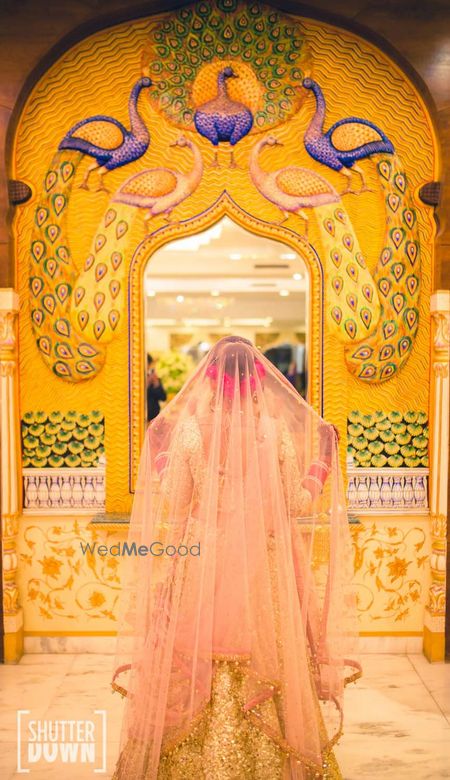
pixel 320 468
pixel 298 498
pixel 181 480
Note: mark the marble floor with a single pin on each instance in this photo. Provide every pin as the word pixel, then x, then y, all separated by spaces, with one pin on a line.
pixel 397 716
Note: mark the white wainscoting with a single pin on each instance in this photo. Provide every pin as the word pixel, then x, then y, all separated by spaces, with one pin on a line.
pixel 56 491
pixel 388 491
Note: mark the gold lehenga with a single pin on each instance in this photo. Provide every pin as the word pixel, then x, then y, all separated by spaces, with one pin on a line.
pixel 225 743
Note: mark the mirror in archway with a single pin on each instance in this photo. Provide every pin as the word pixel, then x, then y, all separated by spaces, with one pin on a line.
pixel 225 280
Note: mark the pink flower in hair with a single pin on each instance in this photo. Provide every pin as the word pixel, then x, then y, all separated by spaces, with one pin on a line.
pixel 228 381
pixel 212 371
pixel 260 369
pixel 228 386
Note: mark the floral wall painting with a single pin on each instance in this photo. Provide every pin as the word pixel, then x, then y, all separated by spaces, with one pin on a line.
pixel 391 574
pixel 63 590
pixel 57 440
pixel 388 439
pixel 62 587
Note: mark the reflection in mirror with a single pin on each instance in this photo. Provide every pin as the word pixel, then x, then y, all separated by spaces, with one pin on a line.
pixel 222 281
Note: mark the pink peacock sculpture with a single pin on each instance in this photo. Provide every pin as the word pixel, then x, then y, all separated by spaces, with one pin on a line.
pixel 159 190
pixel 292 189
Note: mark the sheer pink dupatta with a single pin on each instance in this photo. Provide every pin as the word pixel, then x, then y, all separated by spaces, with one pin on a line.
pixel 262 569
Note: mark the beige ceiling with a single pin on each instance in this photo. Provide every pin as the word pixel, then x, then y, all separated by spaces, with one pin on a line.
pixel 225 272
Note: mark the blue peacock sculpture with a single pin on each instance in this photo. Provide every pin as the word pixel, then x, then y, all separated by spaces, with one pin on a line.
pixel 346 142
pixel 107 140
pixel 223 119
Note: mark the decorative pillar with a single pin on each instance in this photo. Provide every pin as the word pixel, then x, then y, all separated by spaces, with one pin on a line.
pixel 9 477
pixel 434 628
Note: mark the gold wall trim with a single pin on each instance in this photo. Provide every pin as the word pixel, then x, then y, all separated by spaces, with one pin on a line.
pixel 70 633
pixel 391 633
pixel 114 633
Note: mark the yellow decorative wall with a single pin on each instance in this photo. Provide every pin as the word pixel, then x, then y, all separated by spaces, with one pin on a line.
pixel 65 590
pixel 85 349
pixel 391 575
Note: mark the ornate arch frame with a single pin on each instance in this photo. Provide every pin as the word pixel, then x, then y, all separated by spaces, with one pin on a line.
pixel 223 206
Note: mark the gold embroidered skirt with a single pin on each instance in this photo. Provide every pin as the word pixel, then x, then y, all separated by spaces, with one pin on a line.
pixel 224 744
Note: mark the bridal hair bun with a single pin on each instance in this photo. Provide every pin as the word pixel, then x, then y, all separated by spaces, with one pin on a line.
pixel 234 340
pixel 260 368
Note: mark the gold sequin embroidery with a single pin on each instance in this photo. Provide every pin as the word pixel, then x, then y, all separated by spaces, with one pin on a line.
pixel 226 743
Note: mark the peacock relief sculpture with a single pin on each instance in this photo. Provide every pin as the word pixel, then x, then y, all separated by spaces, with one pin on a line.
pixel 159 190
pixel 346 142
pixel 75 312
pixel 187 54
pixel 222 119
pixel 386 348
pixel 108 141
pixel 389 342
pixel 291 188
pixel 52 276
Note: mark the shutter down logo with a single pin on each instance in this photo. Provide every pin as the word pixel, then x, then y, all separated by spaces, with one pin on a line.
pixel 43 741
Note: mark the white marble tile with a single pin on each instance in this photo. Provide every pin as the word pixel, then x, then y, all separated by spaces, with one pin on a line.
pixel 70 644
pixel 394 726
pixel 390 644
pixel 99 662
pixel 63 771
pixel 430 672
pixel 8 760
pixel 436 678
pixel 28 692
pixel 56 660
pixel 105 645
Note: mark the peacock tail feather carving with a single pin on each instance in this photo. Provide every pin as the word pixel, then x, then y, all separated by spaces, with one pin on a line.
pixel 98 297
pixel 266 47
pixel 352 301
pixel 74 314
pixel 377 314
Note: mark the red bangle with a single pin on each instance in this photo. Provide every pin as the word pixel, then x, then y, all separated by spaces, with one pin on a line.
pixel 318 470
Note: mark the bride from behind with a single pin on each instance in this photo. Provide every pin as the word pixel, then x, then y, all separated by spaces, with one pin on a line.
pixel 238 637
